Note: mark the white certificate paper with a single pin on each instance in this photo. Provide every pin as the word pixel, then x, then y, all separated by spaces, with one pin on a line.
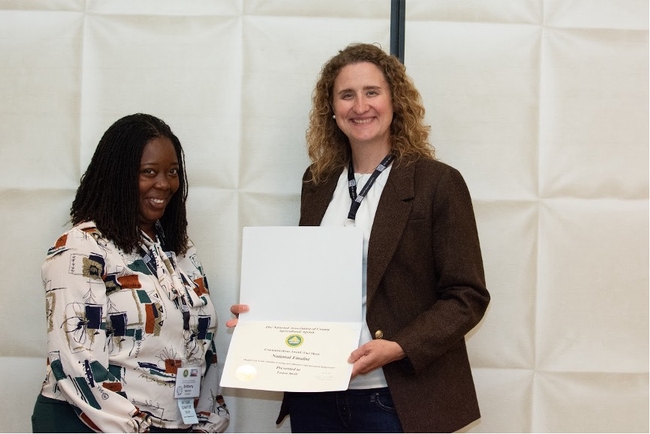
pixel 303 286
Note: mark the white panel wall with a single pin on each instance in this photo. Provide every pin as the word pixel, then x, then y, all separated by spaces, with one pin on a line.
pixel 542 105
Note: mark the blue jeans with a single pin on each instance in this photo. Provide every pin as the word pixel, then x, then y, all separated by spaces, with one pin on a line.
pixel 367 410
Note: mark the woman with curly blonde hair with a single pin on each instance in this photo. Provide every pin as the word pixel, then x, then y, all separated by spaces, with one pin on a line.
pixel 329 148
pixel 423 280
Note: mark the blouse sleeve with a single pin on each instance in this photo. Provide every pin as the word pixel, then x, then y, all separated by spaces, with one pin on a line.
pixel 76 336
pixel 211 410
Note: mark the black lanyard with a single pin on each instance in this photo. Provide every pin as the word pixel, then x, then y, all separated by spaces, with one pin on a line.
pixel 352 184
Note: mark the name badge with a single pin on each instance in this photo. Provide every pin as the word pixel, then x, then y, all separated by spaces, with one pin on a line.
pixel 188 383
pixel 188 387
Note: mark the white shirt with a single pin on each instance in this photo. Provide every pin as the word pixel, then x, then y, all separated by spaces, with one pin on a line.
pixel 336 215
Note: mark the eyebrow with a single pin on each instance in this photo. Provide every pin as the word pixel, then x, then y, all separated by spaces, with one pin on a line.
pixel 155 163
pixel 364 88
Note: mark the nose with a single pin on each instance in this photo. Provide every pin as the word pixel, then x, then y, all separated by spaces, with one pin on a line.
pixel 360 105
pixel 162 182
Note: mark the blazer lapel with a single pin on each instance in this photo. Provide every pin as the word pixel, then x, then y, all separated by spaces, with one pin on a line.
pixel 315 199
pixel 390 220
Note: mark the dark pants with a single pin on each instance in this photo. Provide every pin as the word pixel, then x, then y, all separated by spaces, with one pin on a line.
pixel 52 415
pixel 368 410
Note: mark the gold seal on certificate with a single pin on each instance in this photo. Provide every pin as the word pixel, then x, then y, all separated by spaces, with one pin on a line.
pixel 294 340
pixel 305 310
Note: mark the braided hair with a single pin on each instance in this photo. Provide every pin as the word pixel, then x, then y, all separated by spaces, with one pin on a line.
pixel 108 192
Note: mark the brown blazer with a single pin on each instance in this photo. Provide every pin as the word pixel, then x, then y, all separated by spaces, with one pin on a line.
pixel 426 288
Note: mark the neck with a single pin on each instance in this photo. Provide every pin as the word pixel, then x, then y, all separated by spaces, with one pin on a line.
pixel 149 230
pixel 367 159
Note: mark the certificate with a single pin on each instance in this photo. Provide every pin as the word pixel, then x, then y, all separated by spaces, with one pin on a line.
pixel 303 286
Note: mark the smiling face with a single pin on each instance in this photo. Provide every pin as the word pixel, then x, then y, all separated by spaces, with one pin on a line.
pixel 158 182
pixel 363 107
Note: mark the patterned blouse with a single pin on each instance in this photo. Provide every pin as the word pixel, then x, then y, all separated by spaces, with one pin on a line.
pixel 120 325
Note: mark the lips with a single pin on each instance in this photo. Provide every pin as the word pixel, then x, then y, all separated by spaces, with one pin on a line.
pixel 157 202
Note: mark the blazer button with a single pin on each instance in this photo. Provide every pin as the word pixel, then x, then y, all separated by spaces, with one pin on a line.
pixel 379 334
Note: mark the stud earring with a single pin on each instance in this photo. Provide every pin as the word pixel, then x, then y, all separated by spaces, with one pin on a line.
pixel 333 116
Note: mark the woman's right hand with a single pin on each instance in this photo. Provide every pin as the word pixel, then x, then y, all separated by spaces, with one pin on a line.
pixel 236 309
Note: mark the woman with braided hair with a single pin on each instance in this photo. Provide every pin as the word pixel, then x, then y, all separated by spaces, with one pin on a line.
pixel 129 314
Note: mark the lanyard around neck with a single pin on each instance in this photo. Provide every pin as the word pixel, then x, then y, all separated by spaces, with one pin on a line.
pixel 352 185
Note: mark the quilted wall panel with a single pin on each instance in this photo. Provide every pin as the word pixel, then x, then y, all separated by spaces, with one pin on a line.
pixel 541 104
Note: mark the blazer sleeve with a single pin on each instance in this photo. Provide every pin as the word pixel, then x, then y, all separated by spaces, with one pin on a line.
pixel 456 295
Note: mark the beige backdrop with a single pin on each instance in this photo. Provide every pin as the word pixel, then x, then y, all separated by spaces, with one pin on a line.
pixel 542 105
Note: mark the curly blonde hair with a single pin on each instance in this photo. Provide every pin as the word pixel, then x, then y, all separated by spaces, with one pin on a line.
pixel 327 146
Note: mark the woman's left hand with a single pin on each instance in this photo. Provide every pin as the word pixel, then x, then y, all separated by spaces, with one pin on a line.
pixel 373 355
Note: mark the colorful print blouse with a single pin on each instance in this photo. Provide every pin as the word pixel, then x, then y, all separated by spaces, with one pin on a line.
pixel 120 325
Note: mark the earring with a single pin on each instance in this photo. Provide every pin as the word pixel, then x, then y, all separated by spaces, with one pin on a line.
pixel 333 116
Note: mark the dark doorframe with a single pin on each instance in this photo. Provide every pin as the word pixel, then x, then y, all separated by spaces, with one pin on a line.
pixel 397 24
